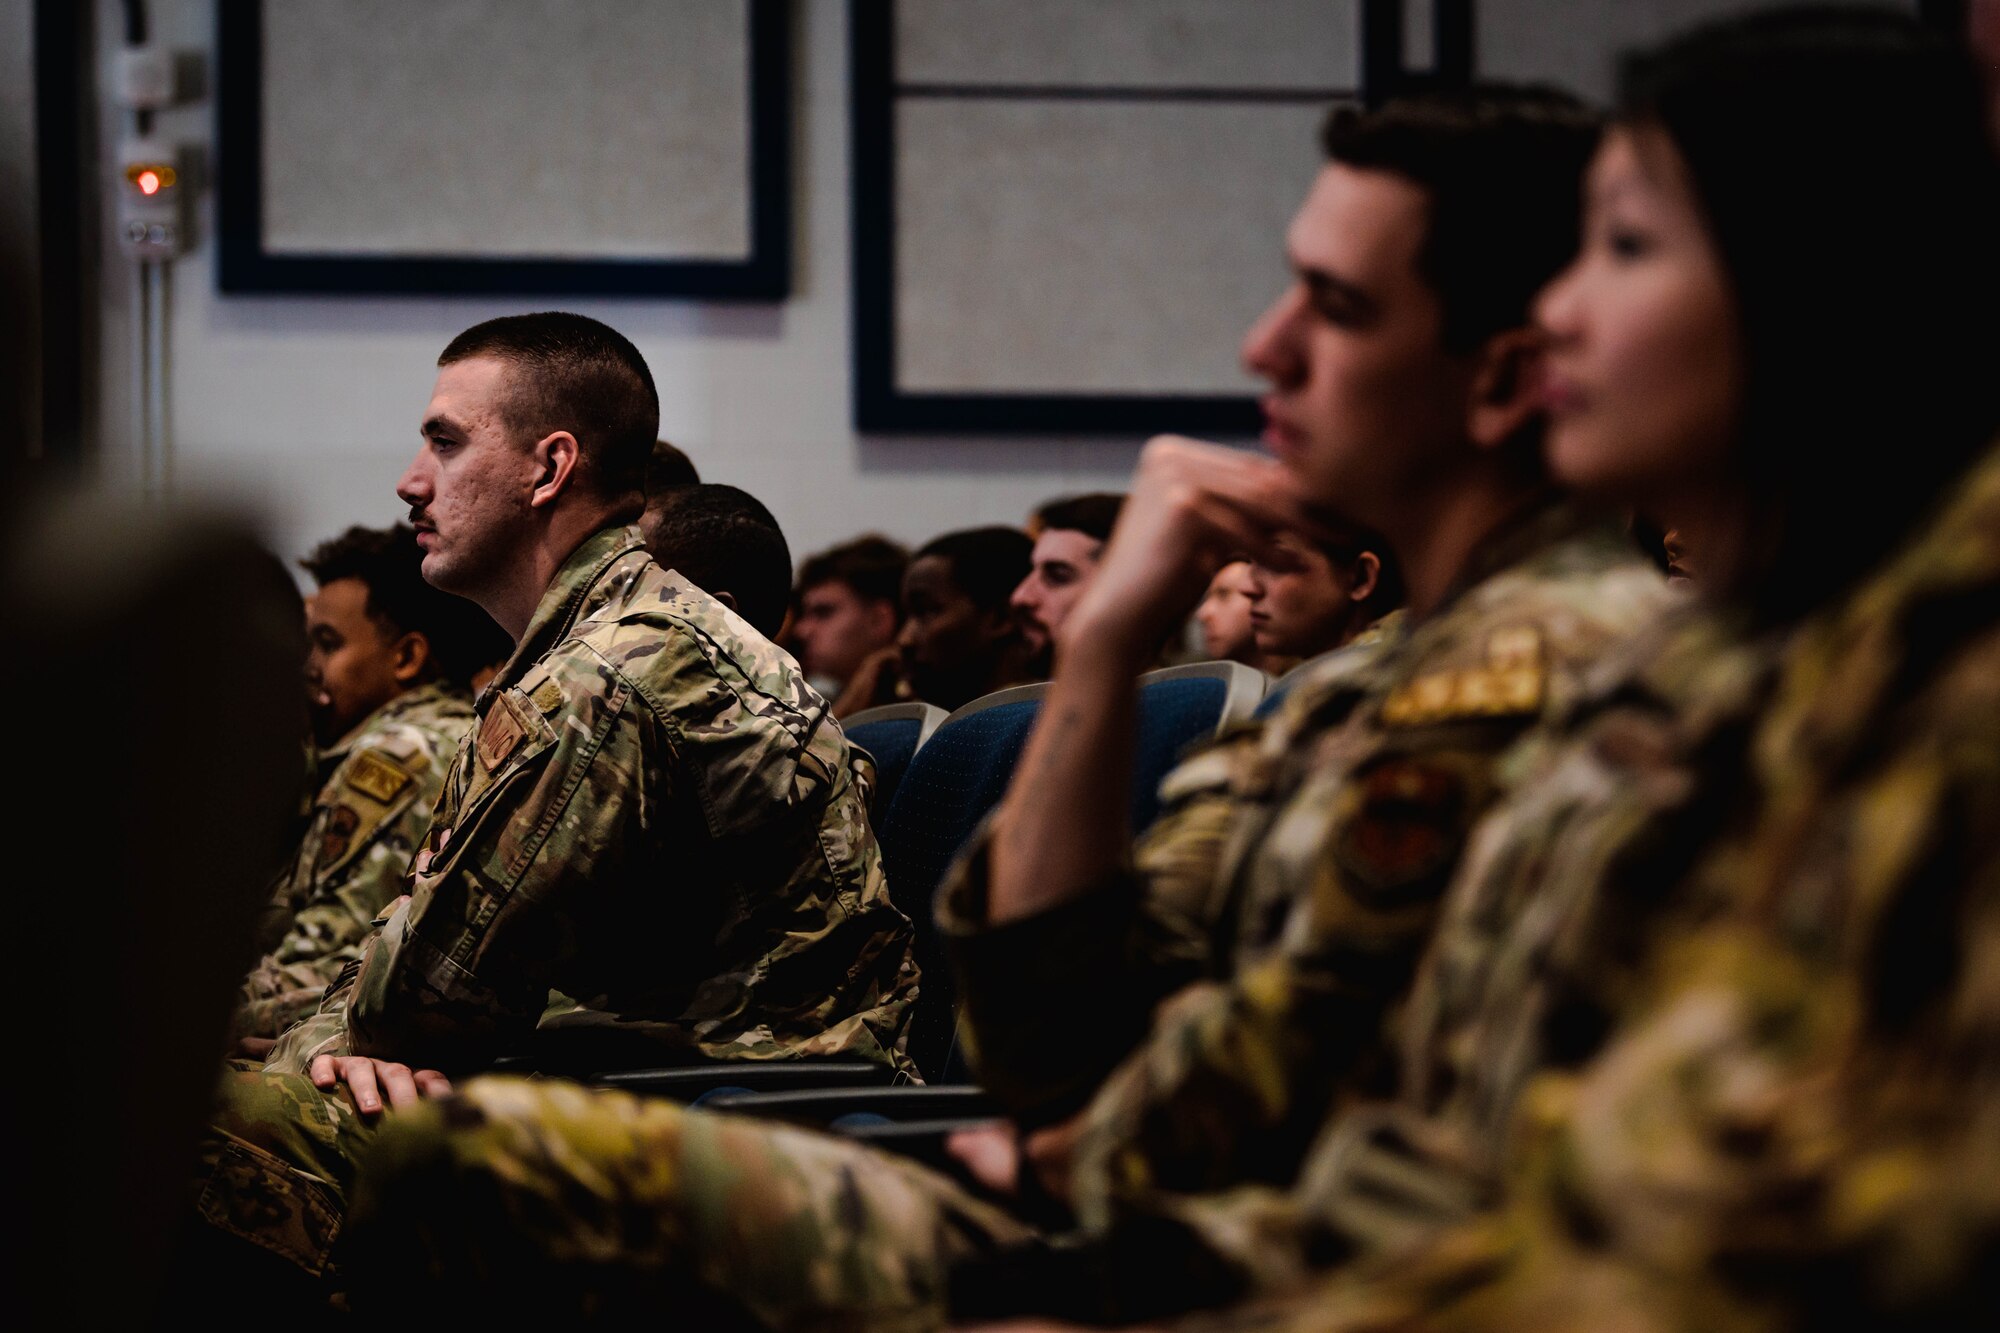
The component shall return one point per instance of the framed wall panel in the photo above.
(532, 146)
(1066, 215)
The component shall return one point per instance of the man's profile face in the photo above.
(1364, 401)
(470, 484)
(945, 637)
(836, 628)
(1061, 565)
(350, 659)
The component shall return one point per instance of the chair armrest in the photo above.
(823, 1105)
(919, 1140)
(769, 1077)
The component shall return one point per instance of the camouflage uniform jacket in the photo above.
(1795, 1121)
(369, 817)
(655, 815)
(1238, 978)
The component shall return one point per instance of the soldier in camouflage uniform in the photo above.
(388, 659)
(1761, 1092)
(654, 815)
(1353, 802)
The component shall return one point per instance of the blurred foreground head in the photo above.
(156, 665)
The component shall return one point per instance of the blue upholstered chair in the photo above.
(1179, 706)
(954, 778)
(892, 735)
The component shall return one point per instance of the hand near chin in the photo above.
(1192, 508)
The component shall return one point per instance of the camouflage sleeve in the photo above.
(562, 790)
(1235, 1077)
(376, 810)
(1106, 956)
(1809, 1103)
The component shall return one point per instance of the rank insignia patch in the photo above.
(375, 777)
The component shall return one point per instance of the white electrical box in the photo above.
(148, 78)
(151, 190)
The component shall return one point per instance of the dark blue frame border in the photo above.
(244, 266)
(880, 406)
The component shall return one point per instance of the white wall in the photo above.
(307, 408)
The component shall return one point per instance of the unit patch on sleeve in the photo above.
(376, 777)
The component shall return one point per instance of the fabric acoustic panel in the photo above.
(532, 145)
(1067, 214)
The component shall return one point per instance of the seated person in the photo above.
(667, 468)
(651, 815)
(960, 638)
(1745, 1079)
(725, 542)
(1222, 621)
(387, 664)
(849, 601)
(1311, 597)
(1082, 956)
(1069, 536)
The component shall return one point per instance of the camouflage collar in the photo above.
(567, 600)
(423, 696)
(1542, 520)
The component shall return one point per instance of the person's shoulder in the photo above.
(404, 748)
(1562, 604)
(435, 715)
(679, 647)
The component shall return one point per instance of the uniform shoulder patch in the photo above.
(1512, 681)
(376, 776)
(499, 736)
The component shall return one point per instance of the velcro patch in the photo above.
(500, 735)
(548, 697)
(338, 833)
(375, 777)
(1407, 822)
(1448, 696)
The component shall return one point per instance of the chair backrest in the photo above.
(1179, 706)
(892, 734)
(1280, 687)
(954, 778)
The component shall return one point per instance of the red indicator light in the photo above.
(149, 182)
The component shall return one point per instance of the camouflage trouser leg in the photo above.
(516, 1196)
(276, 1161)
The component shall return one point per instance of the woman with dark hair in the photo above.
(1709, 1033)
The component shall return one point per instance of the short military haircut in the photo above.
(389, 564)
(1503, 167)
(1092, 515)
(669, 467)
(580, 376)
(871, 564)
(986, 563)
(723, 539)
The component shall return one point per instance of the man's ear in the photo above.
(557, 456)
(1506, 387)
(410, 658)
(727, 598)
(1367, 574)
